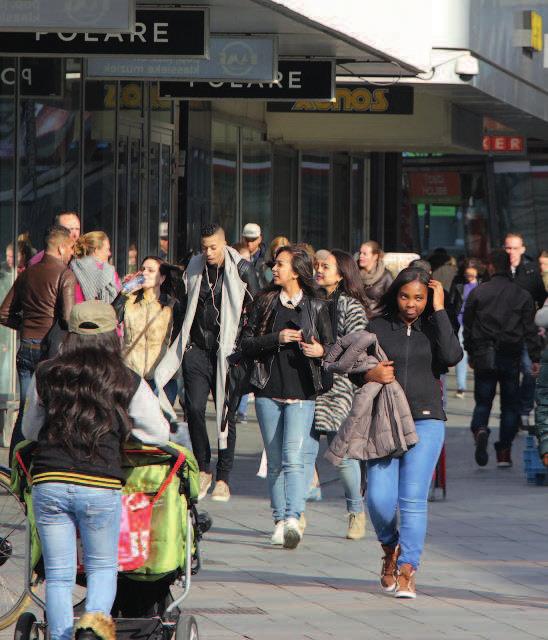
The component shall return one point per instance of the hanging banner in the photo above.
(99, 16)
(40, 78)
(296, 79)
(371, 99)
(159, 33)
(247, 58)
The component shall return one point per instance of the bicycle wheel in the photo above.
(13, 597)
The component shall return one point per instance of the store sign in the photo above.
(250, 59)
(40, 78)
(370, 99)
(295, 79)
(532, 23)
(434, 187)
(504, 144)
(67, 15)
(159, 33)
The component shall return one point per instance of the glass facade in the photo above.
(103, 149)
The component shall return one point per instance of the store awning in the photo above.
(303, 32)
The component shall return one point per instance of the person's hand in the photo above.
(471, 363)
(290, 335)
(545, 459)
(383, 373)
(312, 350)
(535, 369)
(439, 295)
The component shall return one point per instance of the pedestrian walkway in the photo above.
(484, 572)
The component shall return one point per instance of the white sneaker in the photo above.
(292, 533)
(278, 535)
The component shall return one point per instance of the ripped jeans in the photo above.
(284, 428)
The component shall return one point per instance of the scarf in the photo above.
(369, 278)
(95, 279)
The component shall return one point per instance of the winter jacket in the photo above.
(380, 423)
(501, 313)
(264, 348)
(374, 292)
(528, 277)
(541, 394)
(333, 407)
(144, 352)
(421, 352)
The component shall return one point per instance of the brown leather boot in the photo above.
(389, 566)
(405, 582)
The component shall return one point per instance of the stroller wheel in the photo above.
(187, 628)
(24, 629)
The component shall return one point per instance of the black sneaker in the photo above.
(481, 437)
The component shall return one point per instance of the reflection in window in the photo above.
(49, 156)
(99, 128)
(285, 194)
(358, 204)
(341, 202)
(225, 178)
(256, 180)
(315, 200)
(8, 257)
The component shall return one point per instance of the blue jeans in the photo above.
(284, 428)
(242, 407)
(528, 382)
(404, 482)
(349, 471)
(59, 510)
(461, 368)
(485, 388)
(27, 359)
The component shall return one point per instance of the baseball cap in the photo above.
(91, 318)
(251, 231)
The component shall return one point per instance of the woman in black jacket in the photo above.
(288, 331)
(418, 338)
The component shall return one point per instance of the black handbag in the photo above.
(485, 357)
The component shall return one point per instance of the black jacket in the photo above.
(315, 321)
(528, 277)
(258, 262)
(421, 353)
(501, 313)
(207, 321)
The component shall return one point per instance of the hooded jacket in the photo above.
(380, 423)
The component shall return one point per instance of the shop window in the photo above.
(285, 194)
(224, 205)
(357, 204)
(314, 172)
(49, 154)
(99, 157)
(340, 218)
(13, 253)
(256, 181)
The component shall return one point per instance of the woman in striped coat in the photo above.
(338, 274)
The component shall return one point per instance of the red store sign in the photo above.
(504, 144)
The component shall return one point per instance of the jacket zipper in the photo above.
(407, 355)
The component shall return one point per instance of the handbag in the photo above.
(135, 525)
(484, 357)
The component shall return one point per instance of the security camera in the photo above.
(466, 67)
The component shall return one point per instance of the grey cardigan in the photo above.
(380, 423)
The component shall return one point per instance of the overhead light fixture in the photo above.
(73, 75)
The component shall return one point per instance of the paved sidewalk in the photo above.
(483, 576)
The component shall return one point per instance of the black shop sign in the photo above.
(40, 78)
(297, 80)
(370, 99)
(158, 33)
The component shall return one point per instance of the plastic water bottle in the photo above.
(133, 284)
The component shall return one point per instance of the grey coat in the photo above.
(380, 423)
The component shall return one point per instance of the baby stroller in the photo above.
(166, 477)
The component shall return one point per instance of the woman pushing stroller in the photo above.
(82, 405)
